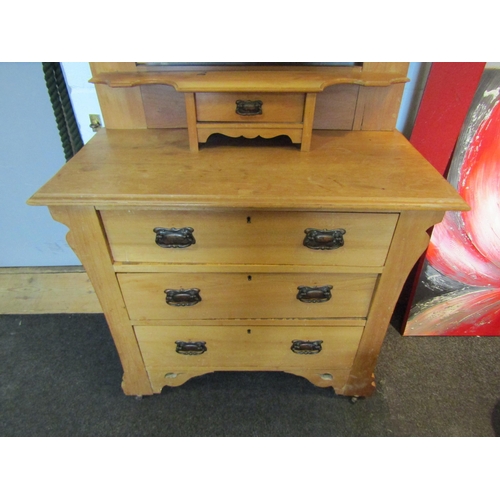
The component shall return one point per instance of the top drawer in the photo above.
(249, 107)
(211, 237)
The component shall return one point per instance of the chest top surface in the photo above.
(354, 170)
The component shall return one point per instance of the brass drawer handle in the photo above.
(180, 298)
(314, 294)
(173, 237)
(324, 239)
(306, 346)
(190, 348)
(248, 108)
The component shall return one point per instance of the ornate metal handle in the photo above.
(314, 294)
(173, 237)
(190, 348)
(183, 297)
(306, 346)
(324, 239)
(248, 108)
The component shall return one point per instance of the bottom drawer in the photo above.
(168, 349)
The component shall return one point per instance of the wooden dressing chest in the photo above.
(245, 256)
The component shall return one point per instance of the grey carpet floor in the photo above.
(60, 376)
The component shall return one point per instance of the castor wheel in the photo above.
(138, 398)
(354, 399)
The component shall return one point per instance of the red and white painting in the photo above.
(458, 292)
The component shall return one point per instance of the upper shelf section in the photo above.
(248, 81)
(247, 99)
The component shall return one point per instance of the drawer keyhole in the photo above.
(249, 278)
(249, 220)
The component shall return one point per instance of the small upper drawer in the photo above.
(267, 238)
(243, 107)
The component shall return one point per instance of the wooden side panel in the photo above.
(410, 241)
(121, 108)
(378, 107)
(87, 239)
(309, 108)
(335, 107)
(164, 107)
(191, 120)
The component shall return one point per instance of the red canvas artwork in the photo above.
(458, 292)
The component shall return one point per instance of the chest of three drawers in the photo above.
(248, 258)
(247, 290)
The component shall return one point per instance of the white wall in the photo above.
(83, 96)
(30, 153)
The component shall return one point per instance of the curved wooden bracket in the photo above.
(87, 239)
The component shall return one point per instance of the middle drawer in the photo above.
(186, 296)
